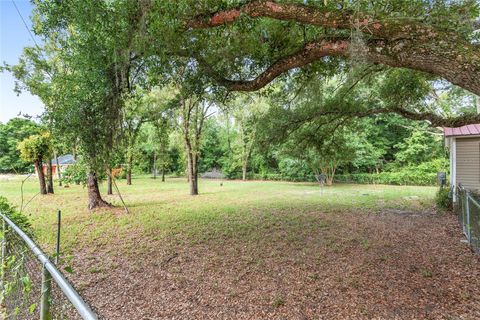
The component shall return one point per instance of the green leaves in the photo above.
(32, 308)
(18, 218)
(11, 133)
(68, 269)
(36, 147)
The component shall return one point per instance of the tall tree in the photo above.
(322, 152)
(249, 109)
(35, 149)
(194, 111)
(135, 114)
(82, 71)
(244, 46)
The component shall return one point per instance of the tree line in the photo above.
(114, 74)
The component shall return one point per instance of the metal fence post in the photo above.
(57, 252)
(50, 273)
(464, 212)
(3, 266)
(45, 295)
(468, 219)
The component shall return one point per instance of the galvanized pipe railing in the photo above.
(50, 272)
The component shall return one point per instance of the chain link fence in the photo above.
(468, 210)
(31, 286)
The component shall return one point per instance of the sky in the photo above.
(13, 37)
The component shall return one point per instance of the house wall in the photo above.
(467, 162)
(45, 169)
(450, 144)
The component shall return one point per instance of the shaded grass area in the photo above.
(262, 250)
(235, 208)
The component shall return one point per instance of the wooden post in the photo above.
(45, 295)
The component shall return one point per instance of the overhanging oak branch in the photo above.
(401, 53)
(407, 44)
(434, 120)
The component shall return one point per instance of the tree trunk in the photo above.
(329, 173)
(109, 181)
(244, 171)
(329, 181)
(317, 177)
(49, 177)
(193, 173)
(59, 175)
(129, 174)
(154, 165)
(41, 176)
(129, 167)
(188, 166)
(163, 174)
(94, 198)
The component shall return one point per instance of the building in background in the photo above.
(63, 162)
(464, 146)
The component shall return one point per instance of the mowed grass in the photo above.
(237, 209)
(260, 250)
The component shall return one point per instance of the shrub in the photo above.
(424, 174)
(75, 173)
(122, 174)
(18, 218)
(443, 199)
(294, 170)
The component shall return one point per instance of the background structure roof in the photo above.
(468, 130)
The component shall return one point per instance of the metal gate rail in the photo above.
(49, 273)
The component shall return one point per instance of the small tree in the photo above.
(327, 157)
(194, 112)
(248, 110)
(322, 151)
(34, 149)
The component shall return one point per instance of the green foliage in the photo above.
(443, 199)
(293, 170)
(75, 173)
(18, 218)
(424, 174)
(212, 150)
(102, 79)
(418, 148)
(36, 147)
(11, 133)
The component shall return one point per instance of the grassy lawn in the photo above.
(165, 209)
(249, 250)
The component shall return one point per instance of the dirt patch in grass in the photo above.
(335, 265)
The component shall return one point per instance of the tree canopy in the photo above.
(105, 68)
(11, 133)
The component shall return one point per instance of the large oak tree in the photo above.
(245, 45)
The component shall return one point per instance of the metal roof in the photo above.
(468, 130)
(65, 159)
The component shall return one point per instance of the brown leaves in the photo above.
(377, 266)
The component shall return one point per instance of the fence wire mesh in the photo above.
(468, 210)
(22, 289)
